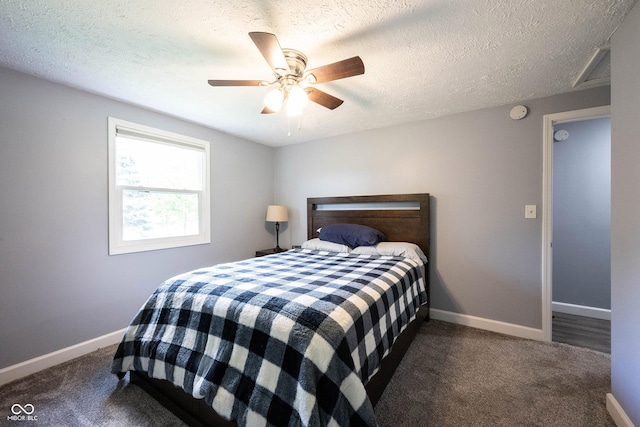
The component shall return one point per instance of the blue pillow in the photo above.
(352, 235)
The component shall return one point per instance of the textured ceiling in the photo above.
(423, 58)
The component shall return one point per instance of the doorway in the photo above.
(554, 122)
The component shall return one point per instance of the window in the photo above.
(158, 189)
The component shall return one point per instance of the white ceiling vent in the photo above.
(597, 72)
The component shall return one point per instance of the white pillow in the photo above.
(322, 245)
(403, 249)
(365, 250)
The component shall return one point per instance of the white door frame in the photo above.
(549, 120)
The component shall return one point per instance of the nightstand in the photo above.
(271, 251)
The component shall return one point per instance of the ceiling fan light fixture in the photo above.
(296, 100)
(274, 99)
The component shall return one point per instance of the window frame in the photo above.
(117, 244)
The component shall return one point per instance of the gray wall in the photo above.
(625, 216)
(481, 168)
(582, 214)
(58, 286)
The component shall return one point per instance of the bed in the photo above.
(318, 371)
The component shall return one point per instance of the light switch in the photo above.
(530, 211)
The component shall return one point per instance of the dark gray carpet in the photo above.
(83, 392)
(458, 376)
(451, 376)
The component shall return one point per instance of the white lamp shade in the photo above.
(274, 100)
(296, 101)
(277, 213)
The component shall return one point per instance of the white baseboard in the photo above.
(21, 370)
(581, 310)
(488, 324)
(617, 413)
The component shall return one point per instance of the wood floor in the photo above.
(582, 331)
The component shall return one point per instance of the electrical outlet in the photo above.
(530, 211)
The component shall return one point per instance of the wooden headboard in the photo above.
(401, 217)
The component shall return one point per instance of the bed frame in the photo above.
(401, 217)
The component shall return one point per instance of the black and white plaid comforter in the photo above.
(287, 339)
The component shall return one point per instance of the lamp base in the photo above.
(277, 248)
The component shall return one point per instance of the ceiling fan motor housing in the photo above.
(297, 62)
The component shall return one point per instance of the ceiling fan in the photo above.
(293, 83)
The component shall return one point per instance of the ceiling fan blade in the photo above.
(338, 70)
(323, 98)
(268, 45)
(267, 110)
(236, 82)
